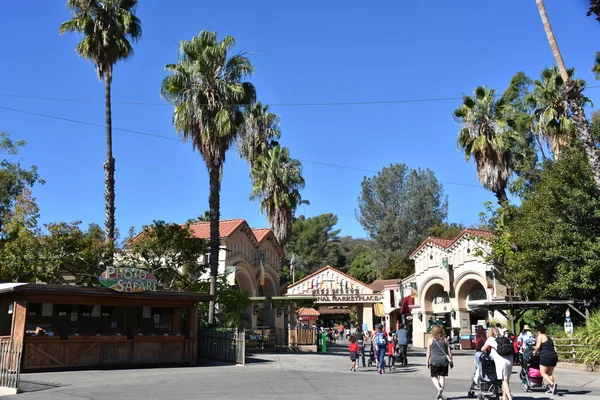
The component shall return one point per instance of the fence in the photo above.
(266, 338)
(10, 363)
(223, 344)
(568, 349)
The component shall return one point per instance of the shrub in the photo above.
(590, 340)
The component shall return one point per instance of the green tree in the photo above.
(557, 231)
(397, 207)
(171, 253)
(19, 248)
(277, 181)
(207, 89)
(107, 27)
(446, 230)
(362, 267)
(483, 137)
(232, 305)
(572, 94)
(313, 243)
(553, 116)
(261, 132)
(14, 179)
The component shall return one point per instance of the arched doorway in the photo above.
(243, 282)
(436, 304)
(471, 293)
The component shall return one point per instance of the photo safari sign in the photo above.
(128, 279)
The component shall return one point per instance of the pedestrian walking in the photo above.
(548, 358)
(503, 359)
(402, 336)
(354, 349)
(438, 359)
(360, 341)
(379, 343)
(391, 350)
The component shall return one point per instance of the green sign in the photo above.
(445, 263)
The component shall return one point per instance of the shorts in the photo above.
(353, 356)
(437, 370)
(549, 360)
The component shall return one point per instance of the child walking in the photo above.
(354, 350)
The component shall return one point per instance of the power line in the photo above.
(184, 141)
(311, 104)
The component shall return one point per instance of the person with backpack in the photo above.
(380, 344)
(502, 352)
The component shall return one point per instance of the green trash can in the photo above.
(323, 343)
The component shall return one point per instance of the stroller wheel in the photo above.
(471, 394)
(525, 387)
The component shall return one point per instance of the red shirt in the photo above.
(391, 348)
(354, 347)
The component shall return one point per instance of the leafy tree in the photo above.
(207, 89)
(313, 243)
(19, 249)
(69, 254)
(171, 253)
(397, 207)
(446, 230)
(483, 136)
(557, 231)
(232, 305)
(362, 267)
(107, 27)
(572, 94)
(14, 179)
(277, 181)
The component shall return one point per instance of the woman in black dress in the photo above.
(548, 358)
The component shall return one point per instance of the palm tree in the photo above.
(207, 89)
(484, 136)
(261, 132)
(277, 181)
(572, 94)
(553, 117)
(106, 26)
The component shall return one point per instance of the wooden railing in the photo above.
(304, 336)
(10, 363)
(568, 349)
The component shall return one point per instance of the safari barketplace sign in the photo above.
(128, 280)
(350, 298)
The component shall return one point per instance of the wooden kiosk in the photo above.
(74, 327)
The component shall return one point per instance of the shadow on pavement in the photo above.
(28, 386)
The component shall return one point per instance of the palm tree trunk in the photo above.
(109, 165)
(214, 199)
(572, 95)
(501, 196)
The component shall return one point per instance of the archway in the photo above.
(244, 283)
(436, 305)
(471, 293)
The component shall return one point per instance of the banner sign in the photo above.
(350, 298)
(128, 279)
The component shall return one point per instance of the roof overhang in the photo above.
(282, 301)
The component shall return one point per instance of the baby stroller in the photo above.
(488, 385)
(530, 375)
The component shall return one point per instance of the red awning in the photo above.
(406, 303)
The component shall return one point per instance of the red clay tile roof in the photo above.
(378, 285)
(323, 269)
(307, 312)
(446, 243)
(201, 230)
(261, 234)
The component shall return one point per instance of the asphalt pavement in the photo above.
(303, 376)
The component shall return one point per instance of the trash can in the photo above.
(319, 334)
(323, 343)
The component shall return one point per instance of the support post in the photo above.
(19, 318)
(193, 331)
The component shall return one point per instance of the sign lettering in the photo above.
(128, 279)
(350, 298)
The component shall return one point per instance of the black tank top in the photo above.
(547, 347)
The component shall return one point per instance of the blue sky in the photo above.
(304, 52)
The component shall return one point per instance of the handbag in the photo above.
(446, 354)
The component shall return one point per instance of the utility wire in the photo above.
(184, 141)
(312, 104)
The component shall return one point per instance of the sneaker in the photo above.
(554, 387)
(380, 372)
(439, 394)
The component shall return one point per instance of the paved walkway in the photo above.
(282, 376)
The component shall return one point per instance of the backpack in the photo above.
(380, 340)
(505, 347)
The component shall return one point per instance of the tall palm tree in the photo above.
(484, 136)
(261, 132)
(207, 89)
(277, 181)
(107, 27)
(553, 116)
(572, 94)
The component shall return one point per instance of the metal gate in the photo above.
(10, 363)
(227, 345)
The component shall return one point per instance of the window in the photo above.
(392, 300)
(441, 297)
(477, 293)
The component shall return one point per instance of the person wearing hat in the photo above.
(525, 334)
